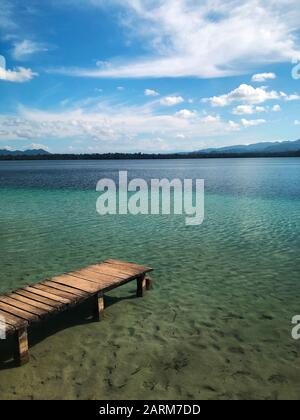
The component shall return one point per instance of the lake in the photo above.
(217, 323)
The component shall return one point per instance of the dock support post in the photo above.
(141, 286)
(148, 283)
(21, 351)
(99, 306)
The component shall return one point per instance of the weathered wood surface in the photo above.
(32, 304)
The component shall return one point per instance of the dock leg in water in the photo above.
(99, 306)
(148, 283)
(21, 352)
(141, 286)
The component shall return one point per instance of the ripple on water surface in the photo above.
(216, 325)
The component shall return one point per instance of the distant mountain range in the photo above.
(285, 148)
(35, 152)
(267, 147)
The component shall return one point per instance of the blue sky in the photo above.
(148, 75)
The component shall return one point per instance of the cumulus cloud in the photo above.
(171, 100)
(115, 126)
(263, 77)
(248, 110)
(18, 75)
(276, 108)
(290, 98)
(150, 92)
(211, 118)
(233, 126)
(203, 39)
(186, 113)
(244, 93)
(24, 49)
(251, 109)
(252, 123)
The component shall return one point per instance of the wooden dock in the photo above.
(33, 304)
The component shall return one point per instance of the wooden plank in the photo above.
(56, 292)
(116, 272)
(77, 283)
(6, 329)
(107, 271)
(94, 277)
(8, 324)
(32, 302)
(21, 305)
(118, 284)
(129, 264)
(124, 269)
(54, 304)
(18, 312)
(13, 320)
(48, 295)
(22, 353)
(69, 289)
(98, 275)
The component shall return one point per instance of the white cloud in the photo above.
(150, 92)
(259, 109)
(8, 148)
(171, 100)
(115, 127)
(120, 88)
(248, 110)
(2, 62)
(290, 98)
(233, 126)
(211, 119)
(185, 113)
(244, 93)
(18, 75)
(297, 122)
(276, 108)
(252, 123)
(37, 146)
(263, 77)
(203, 39)
(24, 49)
(251, 109)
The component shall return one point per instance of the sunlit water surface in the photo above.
(217, 323)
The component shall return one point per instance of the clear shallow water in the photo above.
(217, 323)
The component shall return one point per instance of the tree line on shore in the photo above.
(141, 156)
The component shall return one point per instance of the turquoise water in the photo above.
(217, 323)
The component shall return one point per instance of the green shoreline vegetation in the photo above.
(141, 156)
